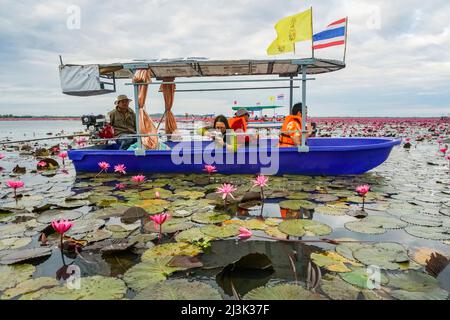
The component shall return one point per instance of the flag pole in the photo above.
(312, 33)
(346, 31)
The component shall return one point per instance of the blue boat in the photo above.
(315, 156)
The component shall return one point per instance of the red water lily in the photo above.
(244, 233)
(62, 226)
(15, 185)
(158, 221)
(362, 191)
(120, 168)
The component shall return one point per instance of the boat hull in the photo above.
(327, 156)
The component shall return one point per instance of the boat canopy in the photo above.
(257, 108)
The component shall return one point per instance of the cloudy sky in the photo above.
(398, 53)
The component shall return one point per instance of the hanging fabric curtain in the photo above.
(168, 91)
(146, 124)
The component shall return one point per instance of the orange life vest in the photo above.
(286, 138)
(238, 123)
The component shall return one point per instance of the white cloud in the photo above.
(404, 63)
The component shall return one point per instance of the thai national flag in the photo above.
(333, 35)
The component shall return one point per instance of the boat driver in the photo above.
(123, 120)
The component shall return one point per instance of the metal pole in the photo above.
(291, 94)
(304, 147)
(139, 151)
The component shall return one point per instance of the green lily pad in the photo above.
(333, 261)
(325, 198)
(29, 286)
(297, 205)
(415, 285)
(14, 243)
(191, 235)
(171, 225)
(432, 233)
(422, 220)
(50, 215)
(253, 224)
(189, 195)
(16, 256)
(273, 222)
(384, 255)
(298, 196)
(359, 277)
(98, 235)
(148, 272)
(300, 227)
(179, 289)
(91, 288)
(221, 232)
(282, 292)
(210, 217)
(12, 230)
(366, 227)
(338, 289)
(275, 233)
(171, 249)
(151, 194)
(85, 226)
(10, 276)
(331, 211)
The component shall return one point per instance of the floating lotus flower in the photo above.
(120, 168)
(261, 181)
(104, 166)
(1, 156)
(62, 226)
(120, 186)
(226, 190)
(362, 191)
(210, 170)
(15, 185)
(244, 233)
(42, 164)
(158, 221)
(63, 156)
(139, 179)
(443, 150)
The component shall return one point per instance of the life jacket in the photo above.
(286, 138)
(239, 125)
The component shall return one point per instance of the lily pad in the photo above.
(148, 272)
(300, 227)
(50, 215)
(366, 227)
(333, 261)
(16, 256)
(210, 217)
(361, 278)
(179, 289)
(297, 205)
(170, 226)
(275, 233)
(14, 243)
(384, 255)
(221, 232)
(422, 220)
(85, 226)
(338, 289)
(191, 235)
(415, 285)
(29, 286)
(189, 195)
(91, 288)
(432, 233)
(10, 276)
(282, 292)
(331, 211)
(171, 249)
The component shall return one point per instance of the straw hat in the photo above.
(242, 112)
(120, 98)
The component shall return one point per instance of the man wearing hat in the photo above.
(123, 120)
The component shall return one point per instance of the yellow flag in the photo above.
(277, 48)
(291, 29)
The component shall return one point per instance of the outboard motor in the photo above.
(97, 126)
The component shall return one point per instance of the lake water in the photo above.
(119, 254)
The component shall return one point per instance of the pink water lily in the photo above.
(104, 165)
(63, 156)
(138, 179)
(443, 150)
(15, 185)
(42, 164)
(120, 186)
(1, 156)
(260, 181)
(244, 233)
(62, 226)
(362, 191)
(157, 195)
(120, 168)
(158, 221)
(210, 169)
(226, 190)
